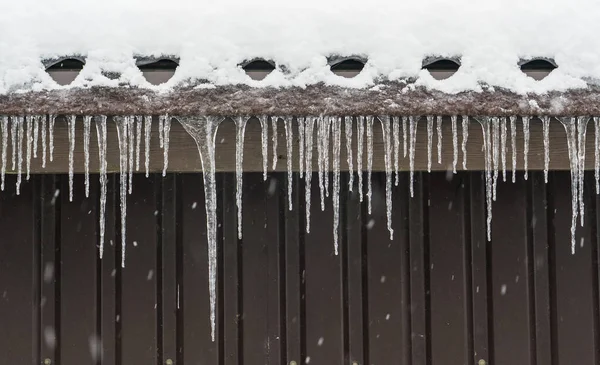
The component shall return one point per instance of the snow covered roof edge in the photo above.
(319, 99)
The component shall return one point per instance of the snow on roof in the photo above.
(212, 38)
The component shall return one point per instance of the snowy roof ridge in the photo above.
(320, 99)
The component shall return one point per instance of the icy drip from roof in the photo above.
(212, 39)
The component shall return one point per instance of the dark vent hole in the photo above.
(158, 72)
(442, 69)
(65, 71)
(258, 69)
(537, 69)
(348, 68)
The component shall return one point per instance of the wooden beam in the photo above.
(183, 154)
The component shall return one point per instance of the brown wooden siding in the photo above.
(438, 294)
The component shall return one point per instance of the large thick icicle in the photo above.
(495, 153)
(503, 146)
(348, 134)
(369, 162)
(546, 132)
(300, 123)
(240, 132)
(597, 153)
(429, 140)
(454, 142)
(44, 147)
(4, 148)
(289, 142)
(19, 153)
(274, 140)
(309, 124)
(571, 128)
(360, 130)
(581, 132)
(264, 135)
(86, 152)
(465, 137)
(147, 135)
(14, 125)
(327, 133)
(204, 131)
(487, 151)
(323, 134)
(101, 136)
(414, 122)
(51, 122)
(526, 145)
(337, 136)
(122, 134)
(71, 130)
(320, 160)
(161, 130)
(387, 158)
(138, 141)
(396, 136)
(166, 138)
(36, 132)
(513, 145)
(439, 138)
(29, 141)
(131, 147)
(404, 135)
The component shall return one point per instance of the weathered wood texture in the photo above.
(183, 153)
(437, 294)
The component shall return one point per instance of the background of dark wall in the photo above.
(438, 294)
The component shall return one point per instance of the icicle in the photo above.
(369, 162)
(396, 136)
(309, 125)
(487, 151)
(4, 148)
(29, 141)
(274, 139)
(546, 132)
(101, 134)
(571, 128)
(44, 141)
(429, 140)
(14, 125)
(19, 153)
(326, 135)
(404, 134)
(300, 122)
(597, 152)
(465, 137)
(439, 138)
(454, 143)
(348, 130)
(360, 129)
(321, 160)
(123, 136)
(526, 144)
(414, 122)
(336, 134)
(264, 136)
(51, 131)
(503, 146)
(86, 152)
(166, 137)
(495, 145)
(513, 144)
(204, 131)
(147, 134)
(36, 131)
(387, 158)
(130, 147)
(240, 127)
(289, 141)
(161, 130)
(71, 129)
(138, 141)
(581, 132)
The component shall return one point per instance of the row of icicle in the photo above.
(131, 130)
